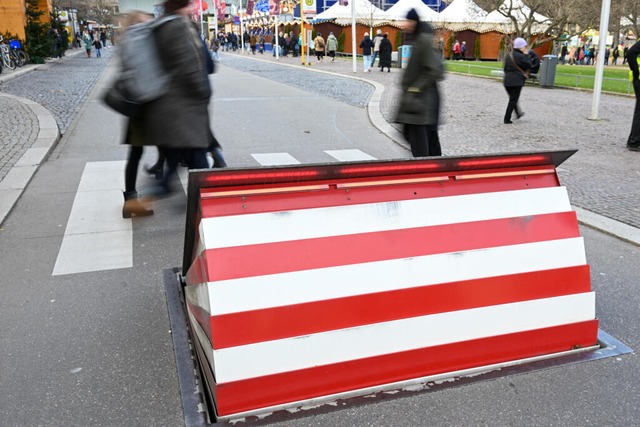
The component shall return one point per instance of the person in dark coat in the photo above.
(178, 122)
(419, 106)
(385, 52)
(633, 142)
(517, 67)
(367, 48)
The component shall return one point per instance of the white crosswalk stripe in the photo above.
(349, 155)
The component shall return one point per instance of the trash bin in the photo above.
(547, 73)
(405, 53)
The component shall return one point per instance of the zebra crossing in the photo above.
(97, 238)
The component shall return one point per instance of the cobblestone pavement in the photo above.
(61, 86)
(19, 136)
(602, 177)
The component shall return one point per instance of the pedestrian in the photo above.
(78, 40)
(572, 55)
(332, 46)
(367, 47)
(535, 61)
(56, 43)
(563, 53)
(134, 136)
(293, 42)
(633, 142)
(178, 121)
(419, 106)
(517, 67)
(214, 45)
(456, 50)
(103, 38)
(386, 49)
(98, 45)
(87, 44)
(319, 46)
(253, 40)
(463, 51)
(376, 46)
(615, 52)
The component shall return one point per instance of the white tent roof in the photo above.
(365, 10)
(402, 7)
(462, 11)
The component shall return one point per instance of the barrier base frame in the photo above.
(194, 375)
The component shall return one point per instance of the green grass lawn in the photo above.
(615, 78)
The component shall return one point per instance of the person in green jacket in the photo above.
(332, 46)
(87, 44)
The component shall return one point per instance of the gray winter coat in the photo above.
(420, 80)
(180, 119)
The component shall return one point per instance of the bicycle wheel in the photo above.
(14, 56)
(8, 62)
(23, 56)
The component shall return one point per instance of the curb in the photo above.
(21, 173)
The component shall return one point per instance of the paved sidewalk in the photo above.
(38, 102)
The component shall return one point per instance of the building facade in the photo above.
(13, 16)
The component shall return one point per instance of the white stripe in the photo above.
(272, 357)
(97, 237)
(276, 290)
(240, 230)
(275, 159)
(349, 155)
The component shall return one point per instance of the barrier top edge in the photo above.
(219, 178)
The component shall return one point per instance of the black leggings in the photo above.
(131, 169)
(514, 96)
(424, 140)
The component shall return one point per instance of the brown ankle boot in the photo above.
(133, 206)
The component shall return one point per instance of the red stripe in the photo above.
(234, 205)
(307, 254)
(197, 273)
(230, 330)
(303, 384)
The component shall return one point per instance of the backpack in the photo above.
(142, 78)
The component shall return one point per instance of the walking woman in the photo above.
(517, 67)
(419, 107)
(135, 137)
(319, 47)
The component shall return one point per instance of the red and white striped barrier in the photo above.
(309, 282)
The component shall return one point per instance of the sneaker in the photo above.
(508, 122)
(633, 147)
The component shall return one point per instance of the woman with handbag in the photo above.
(419, 107)
(517, 67)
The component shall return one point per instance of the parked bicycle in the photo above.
(12, 54)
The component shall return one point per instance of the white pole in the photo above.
(353, 35)
(602, 47)
(215, 18)
(277, 36)
(241, 28)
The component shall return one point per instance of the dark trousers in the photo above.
(634, 136)
(131, 169)
(195, 158)
(424, 140)
(514, 96)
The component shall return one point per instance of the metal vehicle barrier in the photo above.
(305, 284)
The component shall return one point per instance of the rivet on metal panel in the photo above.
(244, 206)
